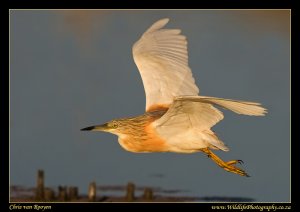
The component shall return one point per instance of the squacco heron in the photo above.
(177, 119)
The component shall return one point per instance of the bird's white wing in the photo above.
(198, 112)
(187, 125)
(196, 115)
(162, 59)
(237, 106)
(187, 114)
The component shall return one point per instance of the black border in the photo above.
(294, 103)
(109, 4)
(152, 4)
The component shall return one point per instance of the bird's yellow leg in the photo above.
(228, 166)
(232, 162)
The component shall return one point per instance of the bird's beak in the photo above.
(102, 127)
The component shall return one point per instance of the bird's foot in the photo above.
(232, 162)
(228, 166)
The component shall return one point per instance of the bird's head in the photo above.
(116, 126)
(112, 126)
(132, 126)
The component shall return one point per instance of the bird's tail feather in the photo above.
(237, 106)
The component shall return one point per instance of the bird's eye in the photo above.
(113, 124)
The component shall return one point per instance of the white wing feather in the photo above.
(237, 106)
(196, 115)
(162, 59)
(186, 126)
(187, 114)
(198, 111)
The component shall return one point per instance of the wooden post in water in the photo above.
(130, 192)
(92, 192)
(49, 195)
(40, 186)
(148, 194)
(73, 193)
(62, 194)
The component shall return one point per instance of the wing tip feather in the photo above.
(158, 25)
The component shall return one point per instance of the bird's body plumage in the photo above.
(177, 119)
(144, 138)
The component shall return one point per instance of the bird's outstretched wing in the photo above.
(190, 121)
(162, 59)
(186, 114)
(199, 113)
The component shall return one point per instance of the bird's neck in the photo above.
(140, 136)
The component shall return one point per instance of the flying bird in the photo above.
(176, 119)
